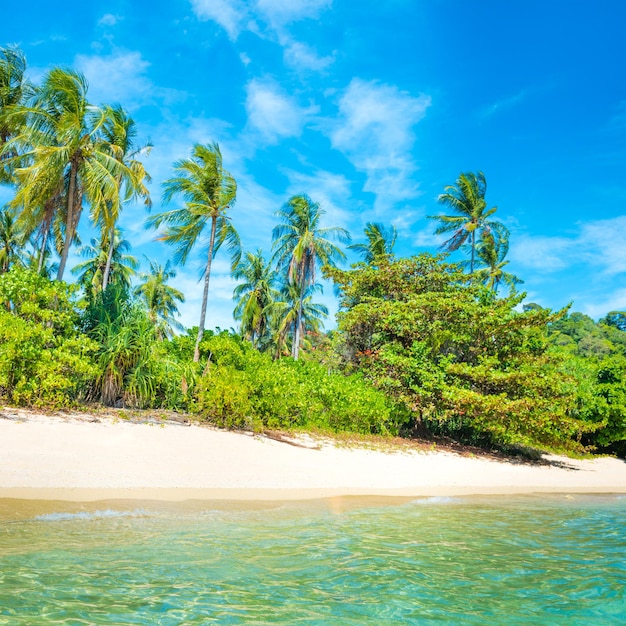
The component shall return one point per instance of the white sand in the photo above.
(70, 458)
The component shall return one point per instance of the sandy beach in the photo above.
(79, 457)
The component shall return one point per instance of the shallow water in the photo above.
(523, 560)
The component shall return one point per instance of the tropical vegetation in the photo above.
(435, 346)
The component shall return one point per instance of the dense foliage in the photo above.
(460, 359)
(44, 361)
(243, 388)
(424, 346)
(594, 354)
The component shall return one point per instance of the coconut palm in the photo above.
(120, 132)
(14, 89)
(160, 298)
(301, 246)
(292, 315)
(62, 157)
(44, 225)
(490, 253)
(255, 296)
(122, 268)
(380, 242)
(11, 239)
(209, 192)
(467, 199)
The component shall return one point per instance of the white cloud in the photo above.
(108, 19)
(424, 238)
(121, 77)
(235, 16)
(615, 302)
(375, 131)
(602, 244)
(273, 113)
(279, 12)
(331, 190)
(595, 244)
(502, 105)
(545, 254)
(271, 16)
(302, 57)
(231, 15)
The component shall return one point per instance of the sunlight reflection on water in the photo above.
(492, 560)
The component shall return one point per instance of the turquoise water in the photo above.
(531, 560)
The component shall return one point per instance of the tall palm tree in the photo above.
(64, 156)
(11, 240)
(255, 296)
(209, 192)
(14, 89)
(123, 266)
(160, 298)
(301, 246)
(43, 221)
(120, 132)
(292, 315)
(380, 242)
(467, 199)
(491, 252)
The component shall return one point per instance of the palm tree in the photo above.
(65, 158)
(292, 315)
(122, 268)
(120, 132)
(301, 246)
(40, 221)
(255, 296)
(14, 89)
(209, 191)
(125, 338)
(467, 199)
(380, 242)
(491, 252)
(160, 298)
(11, 239)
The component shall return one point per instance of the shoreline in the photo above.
(87, 458)
(178, 495)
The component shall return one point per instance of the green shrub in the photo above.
(463, 361)
(242, 388)
(44, 361)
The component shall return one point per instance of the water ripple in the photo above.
(494, 561)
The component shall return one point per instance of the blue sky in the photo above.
(372, 108)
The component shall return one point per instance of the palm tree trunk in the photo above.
(69, 220)
(42, 252)
(205, 293)
(296, 334)
(473, 251)
(44, 229)
(107, 267)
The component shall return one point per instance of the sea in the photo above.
(548, 559)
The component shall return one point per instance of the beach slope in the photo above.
(86, 458)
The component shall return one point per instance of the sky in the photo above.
(371, 108)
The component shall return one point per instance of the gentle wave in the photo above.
(506, 561)
(437, 500)
(87, 515)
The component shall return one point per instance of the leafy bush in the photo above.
(43, 359)
(125, 337)
(463, 361)
(601, 399)
(242, 388)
